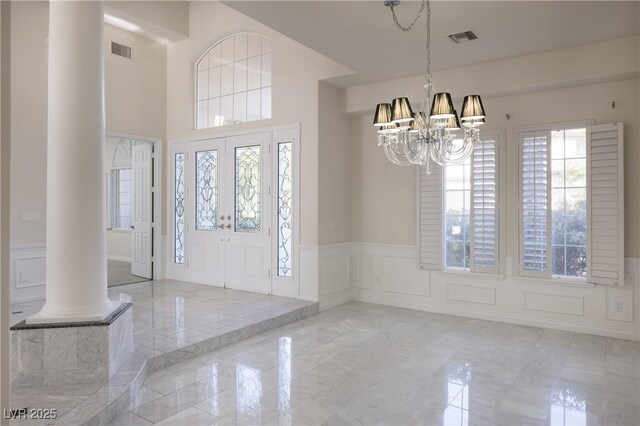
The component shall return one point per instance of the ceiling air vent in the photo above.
(463, 36)
(120, 50)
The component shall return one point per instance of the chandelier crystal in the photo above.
(412, 137)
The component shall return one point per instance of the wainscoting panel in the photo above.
(334, 282)
(471, 294)
(363, 271)
(28, 272)
(554, 303)
(396, 280)
(400, 275)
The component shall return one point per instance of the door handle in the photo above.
(221, 217)
(132, 227)
(228, 226)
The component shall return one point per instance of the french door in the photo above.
(222, 189)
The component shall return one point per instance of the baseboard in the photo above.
(334, 299)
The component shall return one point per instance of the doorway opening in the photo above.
(130, 189)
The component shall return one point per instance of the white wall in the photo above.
(135, 97)
(334, 195)
(296, 71)
(383, 266)
(163, 21)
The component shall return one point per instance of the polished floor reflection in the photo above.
(369, 364)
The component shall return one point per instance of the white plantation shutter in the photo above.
(484, 206)
(605, 207)
(535, 225)
(429, 220)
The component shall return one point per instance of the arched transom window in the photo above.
(234, 81)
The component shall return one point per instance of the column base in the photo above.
(50, 354)
(42, 318)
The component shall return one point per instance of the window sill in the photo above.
(556, 282)
(469, 274)
(120, 230)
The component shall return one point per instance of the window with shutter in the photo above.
(571, 207)
(457, 208)
(606, 204)
(429, 218)
(484, 206)
(534, 223)
(459, 212)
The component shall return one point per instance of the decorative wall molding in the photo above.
(28, 272)
(569, 305)
(389, 274)
(334, 274)
(471, 294)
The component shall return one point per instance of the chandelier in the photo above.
(434, 133)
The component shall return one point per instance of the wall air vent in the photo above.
(120, 50)
(463, 36)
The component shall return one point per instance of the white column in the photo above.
(76, 286)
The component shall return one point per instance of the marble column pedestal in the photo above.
(70, 353)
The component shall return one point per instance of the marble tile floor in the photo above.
(119, 273)
(172, 321)
(370, 364)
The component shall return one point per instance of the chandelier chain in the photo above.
(429, 40)
(410, 26)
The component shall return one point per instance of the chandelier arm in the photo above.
(410, 26)
(395, 156)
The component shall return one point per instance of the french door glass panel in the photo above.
(285, 192)
(207, 190)
(247, 189)
(178, 256)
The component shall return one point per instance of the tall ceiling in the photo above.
(362, 36)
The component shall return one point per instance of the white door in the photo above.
(248, 203)
(141, 216)
(206, 186)
(227, 215)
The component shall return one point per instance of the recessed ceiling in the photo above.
(362, 36)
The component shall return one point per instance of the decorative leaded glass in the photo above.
(179, 208)
(207, 190)
(247, 211)
(284, 209)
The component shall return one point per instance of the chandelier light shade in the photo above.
(433, 133)
(452, 122)
(383, 115)
(442, 106)
(401, 111)
(472, 108)
(388, 129)
(419, 118)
